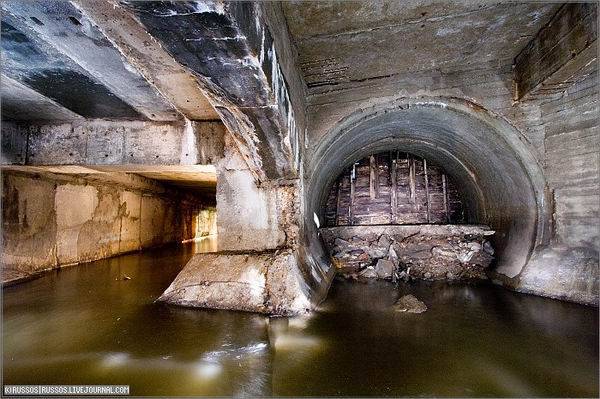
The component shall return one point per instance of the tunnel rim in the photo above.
(514, 140)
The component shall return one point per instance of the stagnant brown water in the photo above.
(87, 325)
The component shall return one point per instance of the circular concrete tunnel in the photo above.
(501, 182)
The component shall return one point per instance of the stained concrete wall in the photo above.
(54, 220)
(253, 217)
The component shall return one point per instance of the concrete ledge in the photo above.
(264, 282)
(561, 272)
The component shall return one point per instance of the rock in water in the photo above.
(410, 304)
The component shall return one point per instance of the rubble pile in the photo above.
(426, 252)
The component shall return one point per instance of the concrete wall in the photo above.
(567, 268)
(252, 217)
(52, 220)
(572, 137)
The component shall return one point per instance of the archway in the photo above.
(500, 178)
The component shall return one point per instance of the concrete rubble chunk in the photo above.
(368, 272)
(487, 247)
(392, 256)
(384, 268)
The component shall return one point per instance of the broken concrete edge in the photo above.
(268, 282)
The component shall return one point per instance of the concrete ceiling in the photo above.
(200, 179)
(347, 41)
(62, 61)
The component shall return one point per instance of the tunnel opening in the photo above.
(500, 182)
(394, 215)
(56, 216)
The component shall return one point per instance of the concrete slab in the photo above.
(263, 282)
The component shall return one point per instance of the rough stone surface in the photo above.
(429, 252)
(409, 304)
(57, 220)
(268, 282)
(385, 268)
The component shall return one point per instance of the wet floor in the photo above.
(89, 325)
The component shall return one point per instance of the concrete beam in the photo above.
(559, 51)
(37, 65)
(113, 143)
(56, 50)
(201, 179)
(140, 49)
(231, 51)
(20, 102)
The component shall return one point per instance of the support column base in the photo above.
(265, 282)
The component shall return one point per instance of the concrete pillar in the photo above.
(248, 214)
(258, 267)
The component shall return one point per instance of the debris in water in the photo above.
(410, 304)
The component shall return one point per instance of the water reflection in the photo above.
(89, 325)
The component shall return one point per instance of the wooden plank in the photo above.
(393, 193)
(352, 189)
(445, 192)
(426, 189)
(373, 177)
(411, 179)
